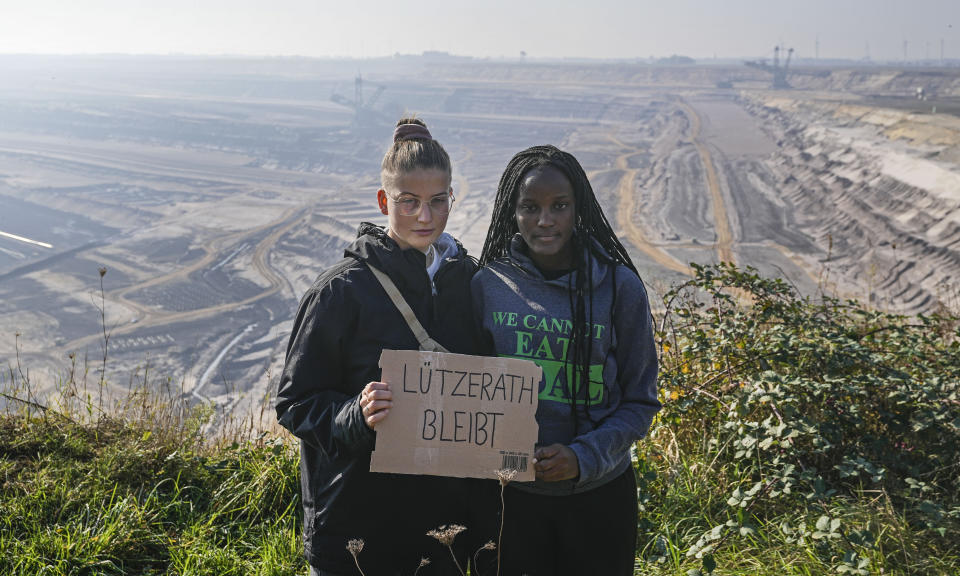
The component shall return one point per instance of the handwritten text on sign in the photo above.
(457, 415)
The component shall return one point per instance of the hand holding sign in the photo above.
(556, 462)
(455, 415)
(375, 402)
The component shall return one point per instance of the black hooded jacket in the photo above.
(344, 321)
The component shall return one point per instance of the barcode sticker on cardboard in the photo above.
(514, 461)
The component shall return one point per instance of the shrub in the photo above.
(823, 426)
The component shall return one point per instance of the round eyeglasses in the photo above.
(408, 205)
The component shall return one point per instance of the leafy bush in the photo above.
(822, 430)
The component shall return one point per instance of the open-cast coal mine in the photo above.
(213, 192)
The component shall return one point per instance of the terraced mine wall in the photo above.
(936, 82)
(887, 206)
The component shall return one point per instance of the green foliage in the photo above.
(823, 430)
(116, 498)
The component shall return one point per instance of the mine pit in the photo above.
(213, 218)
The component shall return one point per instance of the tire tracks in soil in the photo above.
(153, 317)
(721, 222)
(627, 209)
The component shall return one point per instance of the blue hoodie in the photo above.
(524, 315)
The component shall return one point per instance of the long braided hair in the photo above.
(592, 235)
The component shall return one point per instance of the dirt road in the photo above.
(724, 241)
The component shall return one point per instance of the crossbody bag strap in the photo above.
(427, 343)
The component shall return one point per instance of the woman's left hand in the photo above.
(556, 462)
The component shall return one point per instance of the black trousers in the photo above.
(419, 504)
(580, 534)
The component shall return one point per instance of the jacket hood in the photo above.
(375, 247)
(600, 262)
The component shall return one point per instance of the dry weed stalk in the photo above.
(23, 381)
(423, 562)
(354, 547)
(488, 546)
(445, 535)
(505, 475)
(106, 342)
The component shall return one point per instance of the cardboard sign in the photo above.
(457, 415)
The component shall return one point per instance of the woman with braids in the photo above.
(558, 288)
(330, 395)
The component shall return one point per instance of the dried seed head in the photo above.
(423, 562)
(446, 534)
(506, 475)
(489, 546)
(354, 547)
(102, 270)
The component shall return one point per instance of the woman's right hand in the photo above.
(375, 402)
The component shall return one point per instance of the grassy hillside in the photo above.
(138, 497)
(797, 437)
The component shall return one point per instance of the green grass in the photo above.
(120, 497)
(798, 437)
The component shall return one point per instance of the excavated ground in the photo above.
(215, 203)
(881, 186)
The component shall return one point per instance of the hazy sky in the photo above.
(560, 28)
